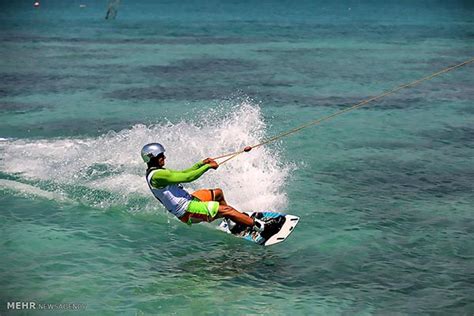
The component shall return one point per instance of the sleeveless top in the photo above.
(173, 197)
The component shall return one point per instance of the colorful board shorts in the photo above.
(201, 208)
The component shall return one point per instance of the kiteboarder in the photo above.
(112, 9)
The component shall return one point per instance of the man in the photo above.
(202, 205)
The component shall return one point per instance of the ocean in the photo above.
(385, 193)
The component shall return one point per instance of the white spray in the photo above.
(111, 163)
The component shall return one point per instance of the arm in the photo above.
(164, 177)
(196, 166)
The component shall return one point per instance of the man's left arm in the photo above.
(196, 166)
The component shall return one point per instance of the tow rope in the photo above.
(348, 109)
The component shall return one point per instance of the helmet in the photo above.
(152, 150)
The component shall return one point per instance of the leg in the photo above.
(219, 196)
(209, 211)
(199, 211)
(210, 195)
(231, 213)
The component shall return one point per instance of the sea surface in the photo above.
(385, 193)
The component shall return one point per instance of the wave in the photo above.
(107, 171)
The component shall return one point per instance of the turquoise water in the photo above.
(385, 193)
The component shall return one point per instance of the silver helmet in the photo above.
(152, 150)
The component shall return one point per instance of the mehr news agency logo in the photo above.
(45, 306)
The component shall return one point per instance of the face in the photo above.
(161, 161)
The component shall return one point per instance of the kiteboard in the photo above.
(278, 227)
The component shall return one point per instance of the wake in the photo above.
(107, 171)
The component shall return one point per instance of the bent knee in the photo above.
(218, 193)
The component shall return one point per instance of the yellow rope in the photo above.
(356, 106)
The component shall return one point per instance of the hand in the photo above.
(207, 160)
(214, 165)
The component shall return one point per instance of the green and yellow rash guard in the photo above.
(165, 184)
